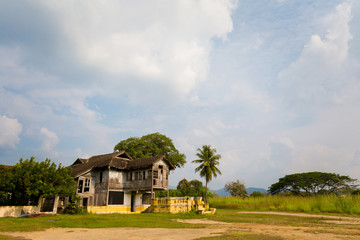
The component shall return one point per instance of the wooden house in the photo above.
(115, 182)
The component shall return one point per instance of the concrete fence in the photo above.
(179, 204)
(18, 211)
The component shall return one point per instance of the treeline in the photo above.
(27, 181)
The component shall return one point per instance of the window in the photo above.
(116, 198)
(101, 177)
(144, 176)
(137, 175)
(146, 198)
(87, 185)
(130, 176)
(80, 186)
(155, 174)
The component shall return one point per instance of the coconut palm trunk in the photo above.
(206, 190)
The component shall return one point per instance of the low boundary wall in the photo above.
(116, 209)
(178, 204)
(18, 211)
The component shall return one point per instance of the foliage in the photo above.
(5, 185)
(172, 193)
(194, 188)
(209, 161)
(236, 189)
(151, 145)
(28, 180)
(342, 204)
(356, 192)
(257, 194)
(313, 183)
(184, 187)
(74, 207)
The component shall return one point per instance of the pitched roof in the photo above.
(146, 162)
(7, 166)
(118, 160)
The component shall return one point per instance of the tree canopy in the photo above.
(209, 161)
(194, 188)
(150, 145)
(185, 188)
(25, 182)
(313, 183)
(237, 189)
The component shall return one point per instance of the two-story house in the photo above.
(115, 182)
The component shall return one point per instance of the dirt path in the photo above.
(327, 218)
(117, 233)
(307, 215)
(286, 232)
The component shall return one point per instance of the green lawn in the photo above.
(145, 220)
(163, 220)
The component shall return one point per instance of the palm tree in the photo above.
(209, 161)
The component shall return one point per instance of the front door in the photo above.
(85, 202)
(133, 194)
(48, 204)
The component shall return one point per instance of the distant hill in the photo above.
(221, 192)
(250, 190)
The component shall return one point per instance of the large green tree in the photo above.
(236, 189)
(28, 180)
(5, 185)
(313, 183)
(194, 188)
(208, 160)
(150, 145)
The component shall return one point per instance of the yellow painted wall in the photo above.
(116, 209)
(178, 204)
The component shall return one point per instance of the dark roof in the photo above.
(118, 160)
(146, 162)
(7, 166)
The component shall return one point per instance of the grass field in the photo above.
(242, 225)
(347, 204)
(146, 220)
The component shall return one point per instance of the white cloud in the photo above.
(158, 44)
(10, 130)
(319, 73)
(49, 139)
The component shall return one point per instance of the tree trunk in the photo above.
(206, 190)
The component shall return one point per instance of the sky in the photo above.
(272, 85)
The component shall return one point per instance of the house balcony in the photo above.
(141, 185)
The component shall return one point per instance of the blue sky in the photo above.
(273, 85)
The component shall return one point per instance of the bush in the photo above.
(257, 194)
(74, 208)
